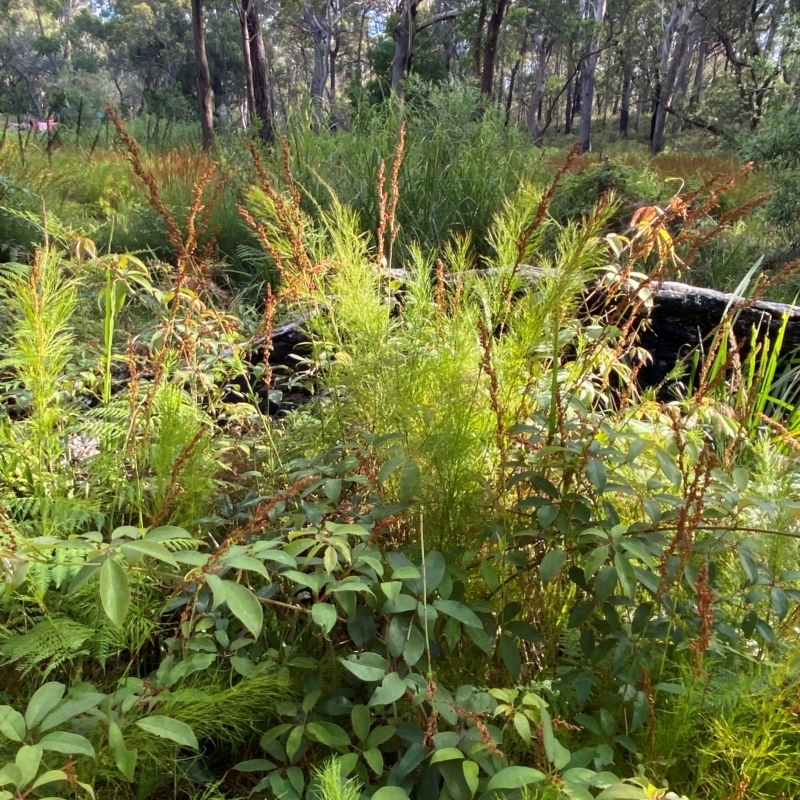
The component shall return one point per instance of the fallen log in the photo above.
(681, 318)
(685, 317)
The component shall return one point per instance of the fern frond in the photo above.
(48, 645)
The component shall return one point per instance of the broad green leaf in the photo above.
(374, 758)
(523, 630)
(397, 635)
(406, 574)
(391, 689)
(10, 773)
(245, 606)
(514, 778)
(247, 563)
(68, 743)
(389, 467)
(434, 569)
(28, 759)
(294, 740)
(146, 547)
(551, 565)
(331, 560)
(361, 717)
(254, 765)
(596, 473)
(741, 477)
(637, 549)
(274, 733)
(332, 488)
(166, 533)
(391, 589)
(390, 793)
(557, 754)
(381, 735)
(668, 466)
(573, 791)
(12, 724)
(749, 564)
(217, 586)
(43, 701)
(780, 601)
(329, 734)
(324, 614)
(415, 646)
(168, 728)
(489, 575)
(594, 560)
(115, 591)
(51, 776)
(347, 763)
(409, 481)
(446, 754)
(626, 575)
(126, 532)
(452, 608)
(547, 514)
(605, 583)
(370, 667)
(622, 791)
(192, 558)
(124, 759)
(71, 708)
(509, 652)
(471, 771)
(523, 726)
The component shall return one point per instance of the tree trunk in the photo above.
(639, 106)
(319, 77)
(677, 54)
(682, 81)
(478, 43)
(587, 97)
(258, 57)
(248, 68)
(403, 39)
(360, 48)
(568, 111)
(534, 107)
(697, 87)
(654, 109)
(625, 102)
(510, 95)
(205, 94)
(405, 31)
(334, 53)
(588, 67)
(490, 48)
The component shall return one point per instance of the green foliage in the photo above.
(580, 192)
(469, 567)
(774, 147)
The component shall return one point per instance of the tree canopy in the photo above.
(553, 65)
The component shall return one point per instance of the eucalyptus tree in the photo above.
(33, 52)
(204, 92)
(323, 21)
(593, 13)
(333, 26)
(262, 98)
(407, 26)
(674, 54)
(494, 25)
(759, 41)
